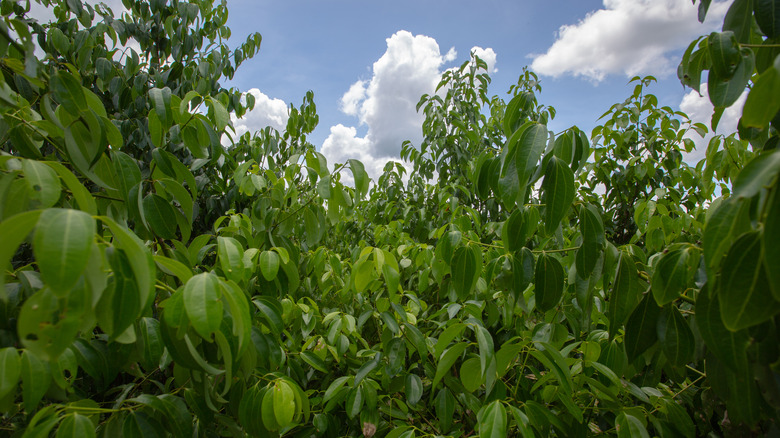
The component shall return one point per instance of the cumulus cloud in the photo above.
(700, 109)
(631, 37)
(267, 112)
(386, 103)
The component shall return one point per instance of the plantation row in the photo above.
(515, 282)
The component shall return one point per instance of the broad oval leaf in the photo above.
(269, 264)
(62, 243)
(557, 192)
(625, 293)
(673, 272)
(284, 403)
(202, 303)
(465, 271)
(675, 336)
(548, 281)
(160, 216)
(728, 346)
(743, 290)
(10, 370)
(492, 420)
(641, 331)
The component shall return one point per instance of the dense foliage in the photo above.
(517, 282)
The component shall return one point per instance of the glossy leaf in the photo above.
(625, 293)
(675, 336)
(761, 105)
(743, 289)
(728, 346)
(641, 331)
(492, 420)
(465, 271)
(628, 426)
(62, 243)
(548, 281)
(557, 192)
(269, 264)
(10, 370)
(203, 304)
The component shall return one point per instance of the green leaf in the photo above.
(36, 378)
(522, 273)
(767, 13)
(641, 331)
(10, 370)
(548, 281)
(448, 359)
(13, 231)
(267, 411)
(138, 255)
(515, 231)
(445, 408)
(354, 401)
(557, 192)
(446, 246)
(62, 243)
(202, 303)
(465, 271)
(314, 361)
(770, 238)
(593, 239)
(675, 336)
(725, 223)
(231, 258)
(762, 104)
(366, 368)
(360, 176)
(486, 347)
(77, 426)
(83, 197)
(160, 216)
(471, 375)
(723, 91)
(728, 346)
(127, 171)
(220, 114)
(739, 19)
(628, 426)
(44, 185)
(334, 388)
(625, 293)
(724, 53)
(68, 92)
(173, 267)
(272, 313)
(492, 420)
(553, 360)
(757, 174)
(120, 304)
(672, 274)
(413, 387)
(530, 146)
(48, 325)
(269, 264)
(744, 291)
(284, 403)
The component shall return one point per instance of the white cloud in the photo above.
(700, 109)
(410, 67)
(267, 112)
(631, 37)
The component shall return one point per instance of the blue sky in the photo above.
(369, 61)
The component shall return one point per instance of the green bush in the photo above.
(517, 282)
